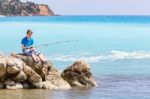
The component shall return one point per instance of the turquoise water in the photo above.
(116, 47)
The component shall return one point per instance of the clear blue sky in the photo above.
(98, 7)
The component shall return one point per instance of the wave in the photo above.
(113, 55)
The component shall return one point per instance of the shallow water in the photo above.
(116, 47)
(109, 87)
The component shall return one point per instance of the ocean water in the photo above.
(116, 47)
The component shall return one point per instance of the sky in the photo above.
(97, 7)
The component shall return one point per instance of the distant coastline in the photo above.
(18, 8)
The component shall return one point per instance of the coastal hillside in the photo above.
(18, 8)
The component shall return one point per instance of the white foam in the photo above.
(129, 55)
(113, 55)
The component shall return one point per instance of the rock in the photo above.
(12, 70)
(79, 75)
(26, 85)
(32, 76)
(14, 65)
(1, 85)
(55, 81)
(2, 67)
(41, 69)
(15, 86)
(19, 71)
(21, 77)
(44, 10)
(12, 85)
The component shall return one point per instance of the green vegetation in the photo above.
(17, 8)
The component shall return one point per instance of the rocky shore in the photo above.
(18, 8)
(18, 71)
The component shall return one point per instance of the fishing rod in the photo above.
(52, 43)
(47, 44)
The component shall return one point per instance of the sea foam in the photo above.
(112, 55)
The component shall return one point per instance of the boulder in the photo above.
(1, 85)
(9, 84)
(14, 65)
(2, 67)
(79, 75)
(20, 77)
(19, 71)
(55, 81)
(32, 76)
(41, 69)
(26, 85)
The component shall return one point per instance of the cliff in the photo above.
(44, 10)
(18, 8)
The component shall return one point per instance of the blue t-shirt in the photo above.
(27, 42)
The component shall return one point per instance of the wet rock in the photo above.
(26, 85)
(13, 85)
(10, 84)
(1, 85)
(79, 74)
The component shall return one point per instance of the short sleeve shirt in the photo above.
(27, 42)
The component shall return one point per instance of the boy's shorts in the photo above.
(29, 53)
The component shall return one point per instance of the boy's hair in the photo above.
(29, 31)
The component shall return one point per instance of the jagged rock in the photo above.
(2, 67)
(19, 71)
(79, 75)
(41, 69)
(12, 85)
(14, 65)
(55, 81)
(32, 76)
(21, 77)
(15, 86)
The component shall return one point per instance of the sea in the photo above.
(117, 48)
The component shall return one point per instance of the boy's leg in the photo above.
(34, 58)
(42, 58)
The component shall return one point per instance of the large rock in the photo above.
(79, 75)
(33, 77)
(19, 71)
(12, 85)
(2, 67)
(41, 69)
(14, 65)
(55, 81)
(20, 77)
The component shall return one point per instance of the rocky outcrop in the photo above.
(18, 8)
(19, 71)
(79, 74)
(44, 10)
